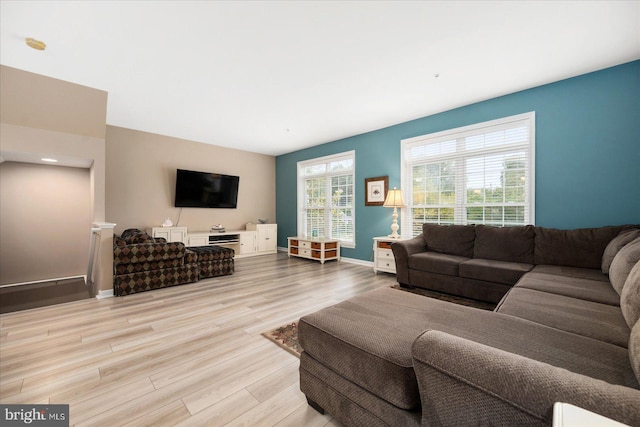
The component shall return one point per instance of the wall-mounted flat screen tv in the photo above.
(206, 190)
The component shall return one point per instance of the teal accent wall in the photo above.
(587, 155)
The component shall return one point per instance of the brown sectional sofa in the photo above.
(565, 330)
(483, 262)
(144, 263)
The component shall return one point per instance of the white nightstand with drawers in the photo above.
(383, 259)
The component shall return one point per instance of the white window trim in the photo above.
(530, 116)
(301, 189)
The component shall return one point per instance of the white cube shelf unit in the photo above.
(318, 249)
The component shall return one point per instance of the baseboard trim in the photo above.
(356, 261)
(105, 294)
(55, 279)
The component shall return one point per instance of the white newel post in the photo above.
(103, 273)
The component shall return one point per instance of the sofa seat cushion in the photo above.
(368, 338)
(212, 253)
(365, 341)
(602, 322)
(575, 287)
(580, 273)
(143, 281)
(505, 272)
(147, 266)
(142, 252)
(435, 262)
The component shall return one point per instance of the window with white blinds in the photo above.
(326, 198)
(479, 174)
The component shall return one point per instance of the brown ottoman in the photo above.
(214, 260)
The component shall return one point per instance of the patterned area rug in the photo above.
(287, 336)
(450, 298)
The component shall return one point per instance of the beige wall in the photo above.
(37, 101)
(41, 116)
(141, 173)
(45, 216)
(42, 142)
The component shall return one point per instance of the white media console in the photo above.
(257, 239)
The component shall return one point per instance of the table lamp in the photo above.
(394, 200)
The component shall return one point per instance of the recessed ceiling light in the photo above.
(35, 44)
(47, 159)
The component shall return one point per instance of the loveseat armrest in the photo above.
(464, 383)
(147, 252)
(402, 250)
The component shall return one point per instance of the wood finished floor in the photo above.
(190, 355)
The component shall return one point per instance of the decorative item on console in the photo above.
(167, 223)
(219, 228)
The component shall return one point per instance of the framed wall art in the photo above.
(375, 190)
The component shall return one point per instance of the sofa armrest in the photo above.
(402, 250)
(147, 252)
(462, 383)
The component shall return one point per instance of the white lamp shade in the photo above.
(394, 199)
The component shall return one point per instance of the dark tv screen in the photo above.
(206, 190)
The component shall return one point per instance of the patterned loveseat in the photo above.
(142, 263)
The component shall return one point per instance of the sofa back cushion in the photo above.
(622, 264)
(133, 235)
(582, 247)
(630, 297)
(130, 232)
(615, 245)
(514, 244)
(450, 239)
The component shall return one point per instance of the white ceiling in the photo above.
(276, 76)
